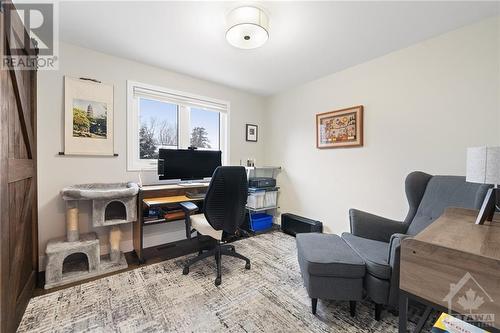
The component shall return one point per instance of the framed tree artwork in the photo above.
(340, 129)
(88, 117)
(251, 133)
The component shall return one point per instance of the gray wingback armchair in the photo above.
(377, 239)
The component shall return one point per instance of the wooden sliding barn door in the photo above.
(18, 208)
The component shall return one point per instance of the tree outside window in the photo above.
(158, 127)
(204, 129)
(199, 138)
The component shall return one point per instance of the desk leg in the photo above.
(137, 230)
(403, 312)
(423, 320)
(137, 240)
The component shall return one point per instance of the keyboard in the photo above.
(195, 195)
(192, 184)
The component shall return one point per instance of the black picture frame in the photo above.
(252, 132)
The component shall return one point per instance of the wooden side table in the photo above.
(447, 259)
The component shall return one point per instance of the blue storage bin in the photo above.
(260, 221)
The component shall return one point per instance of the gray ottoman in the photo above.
(330, 269)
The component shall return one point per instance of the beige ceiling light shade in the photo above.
(248, 27)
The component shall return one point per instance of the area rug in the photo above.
(269, 297)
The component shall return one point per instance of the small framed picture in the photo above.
(252, 133)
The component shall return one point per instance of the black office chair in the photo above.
(224, 212)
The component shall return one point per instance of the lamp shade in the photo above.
(483, 165)
(247, 27)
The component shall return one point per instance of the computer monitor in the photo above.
(187, 164)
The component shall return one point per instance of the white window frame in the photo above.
(134, 163)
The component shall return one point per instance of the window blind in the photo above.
(175, 98)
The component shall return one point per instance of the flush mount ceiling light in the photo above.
(247, 27)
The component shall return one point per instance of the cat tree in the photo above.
(112, 205)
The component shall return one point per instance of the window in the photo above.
(158, 127)
(160, 118)
(204, 129)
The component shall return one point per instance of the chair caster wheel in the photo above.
(185, 271)
(247, 265)
(218, 281)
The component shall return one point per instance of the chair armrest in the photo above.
(394, 248)
(394, 260)
(374, 227)
(189, 209)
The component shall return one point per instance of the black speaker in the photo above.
(293, 224)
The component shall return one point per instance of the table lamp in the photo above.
(483, 166)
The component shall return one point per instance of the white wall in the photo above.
(424, 105)
(56, 172)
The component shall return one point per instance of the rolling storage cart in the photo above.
(262, 203)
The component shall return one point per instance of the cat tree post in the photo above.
(115, 236)
(72, 232)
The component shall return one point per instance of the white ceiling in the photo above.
(307, 40)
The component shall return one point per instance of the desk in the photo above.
(448, 256)
(158, 195)
(157, 201)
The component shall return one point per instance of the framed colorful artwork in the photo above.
(340, 128)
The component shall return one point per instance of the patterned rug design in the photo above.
(158, 298)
